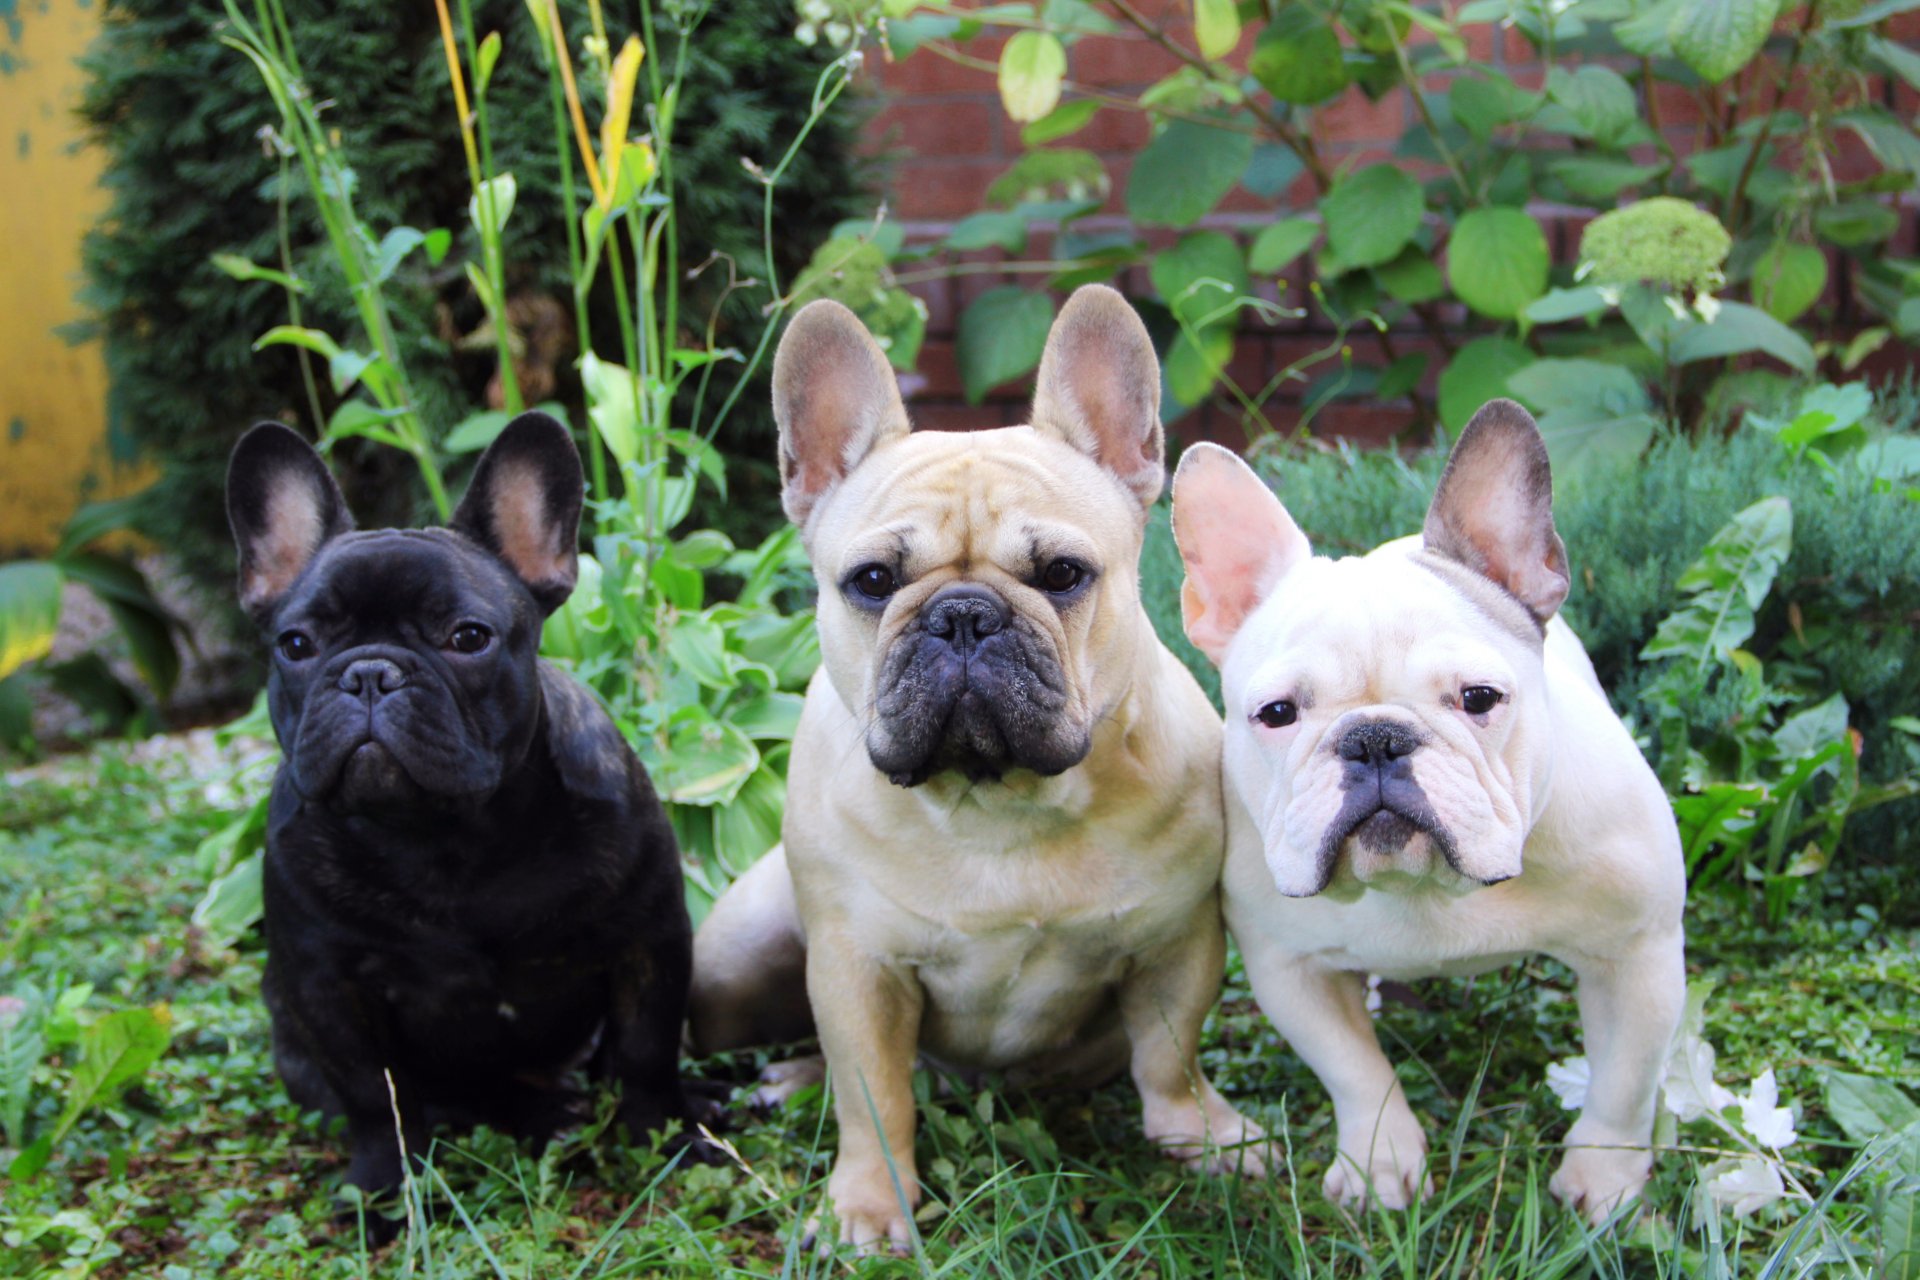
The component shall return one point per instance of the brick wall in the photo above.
(941, 125)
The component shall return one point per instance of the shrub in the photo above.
(194, 171)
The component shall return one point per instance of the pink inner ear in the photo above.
(1237, 542)
(293, 530)
(528, 541)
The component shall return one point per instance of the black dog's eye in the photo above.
(469, 637)
(1478, 699)
(1277, 715)
(296, 646)
(1062, 576)
(874, 581)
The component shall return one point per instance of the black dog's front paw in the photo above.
(645, 1117)
(378, 1219)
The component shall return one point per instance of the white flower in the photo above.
(1745, 1184)
(1769, 1123)
(1689, 1086)
(1707, 306)
(806, 33)
(1373, 994)
(1678, 308)
(1568, 1080)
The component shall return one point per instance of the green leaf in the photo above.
(1402, 376)
(1216, 27)
(1184, 173)
(1592, 414)
(1725, 586)
(1371, 215)
(367, 421)
(492, 204)
(1891, 139)
(1271, 170)
(1866, 1107)
(1788, 279)
(1001, 337)
(241, 268)
(1497, 261)
(1566, 304)
(232, 903)
(394, 247)
(1298, 58)
(1192, 368)
(1811, 730)
(1412, 277)
(29, 612)
(1031, 68)
(114, 1052)
(288, 335)
(1201, 278)
(612, 406)
(476, 431)
(1736, 329)
(145, 625)
(96, 520)
(1063, 121)
(745, 829)
(1719, 37)
(1478, 373)
(1601, 179)
(484, 64)
(1598, 98)
(1483, 105)
(706, 761)
(1279, 243)
(1852, 224)
(990, 229)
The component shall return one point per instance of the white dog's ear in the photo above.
(1237, 542)
(835, 398)
(1099, 389)
(1493, 511)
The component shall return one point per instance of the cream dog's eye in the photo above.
(1062, 576)
(1278, 715)
(1478, 699)
(874, 581)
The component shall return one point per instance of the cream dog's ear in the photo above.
(835, 398)
(1493, 511)
(1099, 389)
(1237, 542)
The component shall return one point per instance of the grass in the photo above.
(204, 1169)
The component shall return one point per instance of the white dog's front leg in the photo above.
(1322, 1012)
(1630, 1006)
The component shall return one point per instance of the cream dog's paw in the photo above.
(870, 1212)
(780, 1081)
(1596, 1181)
(1216, 1141)
(1386, 1167)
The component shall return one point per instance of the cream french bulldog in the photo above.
(1424, 778)
(1004, 831)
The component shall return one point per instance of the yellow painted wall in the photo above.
(53, 396)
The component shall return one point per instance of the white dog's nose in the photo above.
(1377, 742)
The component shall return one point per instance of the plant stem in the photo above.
(1736, 200)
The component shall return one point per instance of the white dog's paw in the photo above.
(1385, 1167)
(780, 1081)
(1213, 1138)
(1595, 1181)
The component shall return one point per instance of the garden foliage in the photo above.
(1716, 238)
(204, 182)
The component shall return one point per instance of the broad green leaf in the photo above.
(1580, 384)
(706, 760)
(1031, 68)
(697, 648)
(1002, 334)
(1412, 277)
(1371, 215)
(1478, 373)
(612, 406)
(1788, 279)
(1483, 105)
(990, 229)
(1865, 1107)
(144, 623)
(1063, 121)
(96, 520)
(1191, 369)
(1566, 304)
(1584, 440)
(1271, 170)
(1201, 278)
(1497, 261)
(231, 903)
(747, 827)
(1280, 243)
(1601, 179)
(491, 205)
(1891, 139)
(1402, 376)
(1719, 37)
(1813, 729)
(114, 1052)
(358, 418)
(1184, 173)
(1725, 586)
(1897, 58)
(1598, 98)
(1216, 27)
(1297, 58)
(476, 431)
(1737, 328)
(394, 247)
(1852, 224)
(29, 612)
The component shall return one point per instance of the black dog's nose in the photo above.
(375, 675)
(964, 613)
(1377, 742)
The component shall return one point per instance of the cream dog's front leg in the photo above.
(869, 1020)
(1630, 1007)
(1322, 1012)
(1164, 1000)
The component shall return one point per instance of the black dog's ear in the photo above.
(524, 506)
(284, 506)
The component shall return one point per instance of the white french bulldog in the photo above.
(1423, 777)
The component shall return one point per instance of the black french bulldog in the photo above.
(468, 876)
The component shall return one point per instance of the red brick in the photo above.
(1123, 61)
(961, 128)
(944, 188)
(925, 71)
(1353, 117)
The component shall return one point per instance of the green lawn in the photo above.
(203, 1169)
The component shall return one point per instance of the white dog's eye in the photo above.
(1478, 699)
(1278, 715)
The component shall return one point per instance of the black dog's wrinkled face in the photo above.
(404, 672)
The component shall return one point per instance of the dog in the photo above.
(469, 883)
(1003, 835)
(1424, 777)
